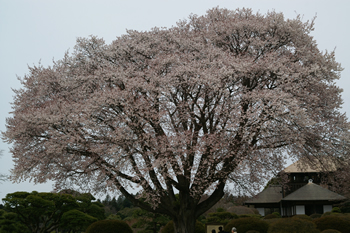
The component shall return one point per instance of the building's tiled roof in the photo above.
(313, 192)
(272, 194)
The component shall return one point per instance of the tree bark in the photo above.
(185, 222)
(185, 219)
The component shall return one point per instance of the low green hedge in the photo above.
(336, 222)
(293, 225)
(109, 226)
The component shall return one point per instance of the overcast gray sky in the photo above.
(42, 30)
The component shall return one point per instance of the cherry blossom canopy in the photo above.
(218, 98)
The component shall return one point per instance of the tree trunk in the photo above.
(185, 220)
(185, 223)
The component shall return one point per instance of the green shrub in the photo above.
(314, 216)
(199, 228)
(271, 216)
(345, 207)
(76, 221)
(330, 231)
(247, 224)
(221, 217)
(271, 221)
(276, 214)
(326, 214)
(330, 213)
(293, 225)
(169, 227)
(337, 222)
(303, 217)
(9, 223)
(109, 226)
(336, 210)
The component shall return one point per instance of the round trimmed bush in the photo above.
(109, 226)
(335, 222)
(303, 217)
(248, 224)
(293, 225)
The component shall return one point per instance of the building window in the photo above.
(299, 209)
(327, 208)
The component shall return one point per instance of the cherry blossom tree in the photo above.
(179, 113)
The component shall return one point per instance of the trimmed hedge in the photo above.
(293, 225)
(109, 226)
(337, 222)
(248, 224)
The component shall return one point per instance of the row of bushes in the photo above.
(225, 217)
(297, 224)
(252, 222)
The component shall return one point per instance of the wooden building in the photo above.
(299, 174)
(303, 193)
(268, 201)
(309, 199)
